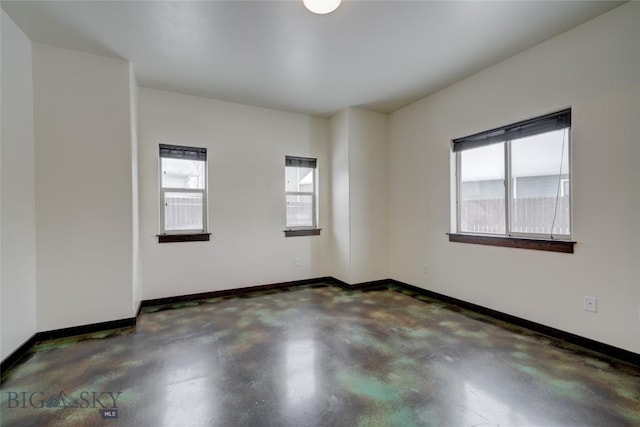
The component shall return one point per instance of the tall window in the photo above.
(300, 193)
(183, 190)
(515, 180)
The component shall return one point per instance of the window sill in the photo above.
(192, 237)
(515, 242)
(309, 232)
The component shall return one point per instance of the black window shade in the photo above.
(548, 123)
(300, 162)
(182, 152)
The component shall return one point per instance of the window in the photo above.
(300, 194)
(515, 181)
(183, 193)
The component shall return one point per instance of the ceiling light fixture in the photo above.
(321, 7)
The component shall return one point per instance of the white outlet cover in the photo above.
(591, 304)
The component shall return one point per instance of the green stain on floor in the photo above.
(404, 361)
(127, 397)
(520, 355)
(70, 341)
(558, 386)
(627, 391)
(465, 333)
(533, 372)
(361, 337)
(449, 324)
(631, 414)
(403, 417)
(346, 298)
(185, 304)
(597, 363)
(420, 333)
(53, 345)
(385, 416)
(269, 318)
(369, 386)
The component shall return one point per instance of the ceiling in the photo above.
(379, 55)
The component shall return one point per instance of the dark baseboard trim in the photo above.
(362, 286)
(139, 309)
(85, 329)
(339, 283)
(54, 334)
(232, 292)
(17, 354)
(560, 335)
(586, 343)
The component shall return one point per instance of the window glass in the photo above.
(182, 173)
(299, 179)
(183, 189)
(516, 180)
(182, 211)
(482, 194)
(540, 184)
(300, 211)
(300, 193)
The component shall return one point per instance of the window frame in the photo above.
(510, 133)
(310, 163)
(184, 153)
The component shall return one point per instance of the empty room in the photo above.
(320, 213)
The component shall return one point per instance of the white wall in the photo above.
(135, 209)
(83, 188)
(368, 180)
(17, 218)
(340, 196)
(246, 147)
(359, 157)
(594, 69)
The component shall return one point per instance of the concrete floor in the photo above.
(318, 356)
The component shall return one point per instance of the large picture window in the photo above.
(515, 181)
(183, 190)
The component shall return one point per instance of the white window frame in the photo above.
(508, 179)
(311, 163)
(187, 151)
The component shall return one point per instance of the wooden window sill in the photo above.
(192, 237)
(309, 232)
(515, 242)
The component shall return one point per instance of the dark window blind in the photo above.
(300, 162)
(181, 152)
(548, 123)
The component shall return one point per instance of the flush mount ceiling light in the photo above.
(321, 7)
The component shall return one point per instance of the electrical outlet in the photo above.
(424, 268)
(297, 262)
(591, 304)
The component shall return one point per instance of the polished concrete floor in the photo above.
(318, 356)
